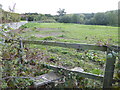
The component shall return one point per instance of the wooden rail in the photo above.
(110, 62)
(68, 45)
(81, 73)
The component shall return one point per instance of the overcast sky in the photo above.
(52, 6)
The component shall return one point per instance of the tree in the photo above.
(61, 12)
(13, 8)
(78, 18)
(64, 19)
(0, 6)
(100, 19)
(90, 21)
(112, 17)
(1, 15)
(75, 18)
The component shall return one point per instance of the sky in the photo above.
(52, 6)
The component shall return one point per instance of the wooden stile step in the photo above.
(46, 78)
(77, 69)
(50, 77)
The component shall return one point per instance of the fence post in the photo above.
(109, 69)
(118, 68)
(20, 51)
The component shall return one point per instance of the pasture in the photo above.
(91, 61)
(73, 33)
(89, 34)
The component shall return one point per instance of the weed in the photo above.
(49, 38)
(62, 36)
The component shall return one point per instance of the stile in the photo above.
(110, 59)
(80, 72)
(46, 78)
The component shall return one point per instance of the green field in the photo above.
(75, 33)
(89, 60)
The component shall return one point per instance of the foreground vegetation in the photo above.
(34, 55)
(7, 17)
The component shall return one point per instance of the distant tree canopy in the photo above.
(0, 6)
(107, 18)
(112, 18)
(100, 19)
(38, 17)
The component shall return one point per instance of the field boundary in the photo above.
(107, 79)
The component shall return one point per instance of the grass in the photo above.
(90, 61)
(89, 34)
(74, 33)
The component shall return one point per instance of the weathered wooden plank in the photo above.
(46, 78)
(114, 48)
(81, 73)
(68, 45)
(109, 70)
(77, 69)
(50, 77)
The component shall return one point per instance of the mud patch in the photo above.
(47, 29)
(37, 29)
(49, 34)
(19, 30)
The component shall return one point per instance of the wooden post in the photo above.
(1, 71)
(118, 70)
(21, 50)
(109, 70)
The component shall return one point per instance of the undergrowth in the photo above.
(17, 63)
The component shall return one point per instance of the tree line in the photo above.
(103, 18)
(38, 17)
